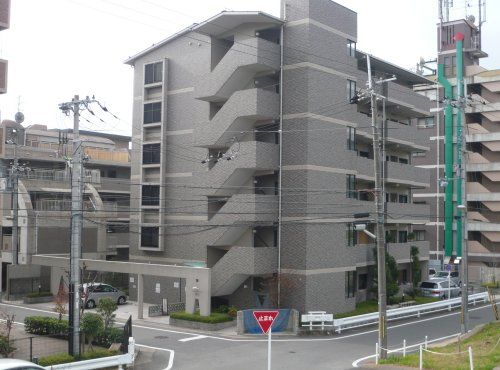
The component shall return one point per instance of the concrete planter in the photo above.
(201, 325)
(28, 300)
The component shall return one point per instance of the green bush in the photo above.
(214, 318)
(222, 309)
(42, 325)
(60, 358)
(107, 338)
(232, 311)
(98, 353)
(39, 294)
(6, 346)
(92, 325)
(491, 284)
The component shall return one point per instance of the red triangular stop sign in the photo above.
(265, 319)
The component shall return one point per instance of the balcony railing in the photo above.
(59, 205)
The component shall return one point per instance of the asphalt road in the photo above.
(185, 350)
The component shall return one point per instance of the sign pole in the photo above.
(269, 348)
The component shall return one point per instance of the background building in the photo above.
(212, 186)
(44, 199)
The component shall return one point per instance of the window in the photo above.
(153, 73)
(152, 113)
(426, 122)
(150, 195)
(403, 236)
(150, 237)
(362, 281)
(351, 235)
(351, 138)
(403, 198)
(351, 187)
(351, 90)
(364, 154)
(419, 235)
(151, 154)
(351, 48)
(403, 160)
(394, 158)
(275, 236)
(393, 197)
(350, 284)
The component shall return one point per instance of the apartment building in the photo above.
(219, 187)
(481, 126)
(4, 25)
(44, 199)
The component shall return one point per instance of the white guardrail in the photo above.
(404, 312)
(100, 363)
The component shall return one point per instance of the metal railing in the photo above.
(405, 312)
(59, 205)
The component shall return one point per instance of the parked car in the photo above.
(11, 364)
(453, 275)
(432, 272)
(439, 288)
(94, 292)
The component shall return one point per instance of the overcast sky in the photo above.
(58, 48)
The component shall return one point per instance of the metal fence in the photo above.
(31, 348)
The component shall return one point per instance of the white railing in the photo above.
(119, 361)
(404, 312)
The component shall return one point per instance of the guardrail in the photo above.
(119, 361)
(404, 312)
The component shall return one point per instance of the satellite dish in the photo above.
(19, 117)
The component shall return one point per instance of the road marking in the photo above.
(170, 358)
(359, 360)
(277, 339)
(192, 338)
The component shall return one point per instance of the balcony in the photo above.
(114, 157)
(236, 69)
(407, 102)
(248, 208)
(239, 113)
(226, 177)
(400, 212)
(113, 185)
(116, 210)
(400, 251)
(238, 264)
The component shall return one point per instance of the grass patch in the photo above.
(214, 318)
(486, 355)
(372, 306)
(39, 294)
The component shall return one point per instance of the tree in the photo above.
(6, 345)
(391, 274)
(61, 300)
(91, 325)
(106, 309)
(416, 272)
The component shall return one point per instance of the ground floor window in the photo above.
(362, 281)
(350, 284)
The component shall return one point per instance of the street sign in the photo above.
(265, 319)
(447, 267)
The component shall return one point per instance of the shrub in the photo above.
(106, 309)
(98, 353)
(39, 294)
(491, 284)
(6, 346)
(107, 338)
(222, 309)
(60, 358)
(91, 325)
(214, 318)
(232, 311)
(42, 325)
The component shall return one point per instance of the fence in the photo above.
(34, 347)
(405, 312)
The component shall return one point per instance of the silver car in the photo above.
(439, 288)
(452, 275)
(92, 293)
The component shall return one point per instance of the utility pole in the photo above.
(77, 183)
(15, 207)
(379, 205)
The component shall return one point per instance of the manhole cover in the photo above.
(161, 337)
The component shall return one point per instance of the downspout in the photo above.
(460, 92)
(448, 158)
(280, 176)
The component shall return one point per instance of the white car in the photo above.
(11, 364)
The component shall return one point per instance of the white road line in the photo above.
(170, 358)
(192, 338)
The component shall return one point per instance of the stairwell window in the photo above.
(350, 284)
(150, 195)
(150, 237)
(351, 48)
(351, 138)
(351, 90)
(351, 187)
(153, 73)
(351, 235)
(152, 113)
(151, 154)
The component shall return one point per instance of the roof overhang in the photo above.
(388, 68)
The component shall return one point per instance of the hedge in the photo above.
(60, 358)
(42, 325)
(214, 318)
(39, 294)
(98, 353)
